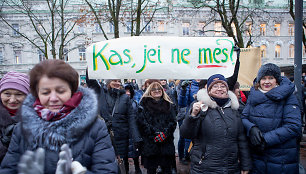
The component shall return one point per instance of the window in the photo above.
(1, 56)
(82, 53)
(97, 28)
(263, 51)
(65, 54)
(248, 28)
(17, 55)
(111, 28)
(41, 56)
(277, 29)
(147, 27)
(39, 28)
(291, 51)
(161, 26)
(256, 1)
(81, 28)
(218, 28)
(277, 51)
(201, 30)
(186, 27)
(263, 29)
(291, 29)
(16, 30)
(128, 27)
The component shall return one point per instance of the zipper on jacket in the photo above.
(222, 110)
(202, 157)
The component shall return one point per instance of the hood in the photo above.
(203, 96)
(51, 135)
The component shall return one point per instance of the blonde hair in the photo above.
(149, 89)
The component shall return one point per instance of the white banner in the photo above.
(148, 57)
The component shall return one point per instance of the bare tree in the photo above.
(291, 11)
(128, 13)
(233, 17)
(49, 20)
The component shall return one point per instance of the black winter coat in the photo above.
(122, 121)
(156, 116)
(218, 137)
(7, 124)
(81, 129)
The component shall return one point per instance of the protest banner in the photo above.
(250, 63)
(145, 57)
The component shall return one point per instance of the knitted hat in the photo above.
(15, 80)
(269, 69)
(217, 78)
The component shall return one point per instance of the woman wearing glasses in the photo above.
(216, 130)
(157, 123)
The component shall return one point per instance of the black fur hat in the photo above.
(269, 69)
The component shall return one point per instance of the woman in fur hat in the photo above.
(273, 122)
(157, 123)
(215, 127)
(14, 87)
(59, 112)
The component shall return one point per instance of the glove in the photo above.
(32, 162)
(255, 136)
(184, 84)
(65, 165)
(160, 137)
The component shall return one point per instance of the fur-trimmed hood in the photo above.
(203, 96)
(51, 135)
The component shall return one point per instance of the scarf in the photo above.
(220, 101)
(68, 106)
(12, 112)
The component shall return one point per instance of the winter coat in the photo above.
(81, 129)
(7, 124)
(156, 116)
(220, 145)
(186, 97)
(277, 115)
(134, 135)
(123, 120)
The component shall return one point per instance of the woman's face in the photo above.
(156, 92)
(53, 93)
(12, 98)
(267, 83)
(115, 84)
(218, 90)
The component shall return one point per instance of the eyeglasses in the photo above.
(155, 89)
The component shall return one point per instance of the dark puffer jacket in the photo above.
(220, 145)
(276, 113)
(7, 124)
(123, 120)
(156, 117)
(81, 129)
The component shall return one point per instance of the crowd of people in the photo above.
(51, 124)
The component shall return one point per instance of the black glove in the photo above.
(256, 136)
(184, 84)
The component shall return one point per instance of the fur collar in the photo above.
(51, 135)
(6, 119)
(203, 96)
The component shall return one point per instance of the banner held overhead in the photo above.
(144, 57)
